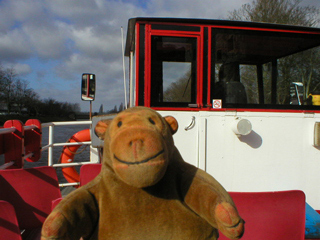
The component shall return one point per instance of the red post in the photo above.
(32, 140)
(1, 143)
(14, 143)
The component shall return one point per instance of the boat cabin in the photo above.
(246, 96)
(187, 64)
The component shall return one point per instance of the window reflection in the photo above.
(173, 71)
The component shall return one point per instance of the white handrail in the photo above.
(69, 184)
(12, 129)
(29, 127)
(66, 123)
(71, 144)
(52, 144)
(27, 156)
(64, 144)
(7, 130)
(6, 165)
(71, 164)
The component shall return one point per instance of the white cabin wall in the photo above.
(186, 140)
(277, 155)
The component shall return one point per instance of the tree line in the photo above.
(17, 97)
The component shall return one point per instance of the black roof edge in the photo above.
(132, 22)
(130, 36)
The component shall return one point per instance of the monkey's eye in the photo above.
(151, 121)
(119, 124)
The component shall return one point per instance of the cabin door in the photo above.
(173, 85)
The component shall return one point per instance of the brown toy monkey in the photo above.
(145, 190)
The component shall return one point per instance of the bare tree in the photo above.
(32, 102)
(277, 11)
(290, 68)
(20, 93)
(16, 95)
(7, 87)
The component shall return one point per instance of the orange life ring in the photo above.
(68, 152)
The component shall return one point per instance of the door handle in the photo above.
(191, 125)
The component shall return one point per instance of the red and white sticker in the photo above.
(217, 103)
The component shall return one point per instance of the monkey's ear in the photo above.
(101, 128)
(173, 124)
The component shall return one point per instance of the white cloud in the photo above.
(16, 12)
(96, 44)
(48, 40)
(193, 9)
(79, 63)
(22, 69)
(22, 10)
(13, 46)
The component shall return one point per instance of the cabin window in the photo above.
(173, 71)
(265, 69)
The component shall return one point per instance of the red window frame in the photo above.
(147, 86)
(149, 32)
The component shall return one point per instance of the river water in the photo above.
(61, 135)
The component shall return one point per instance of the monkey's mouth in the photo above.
(139, 162)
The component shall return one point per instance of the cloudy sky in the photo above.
(51, 43)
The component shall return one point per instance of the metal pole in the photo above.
(50, 143)
(90, 114)
(274, 82)
(131, 91)
(124, 72)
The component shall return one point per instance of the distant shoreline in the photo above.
(42, 119)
